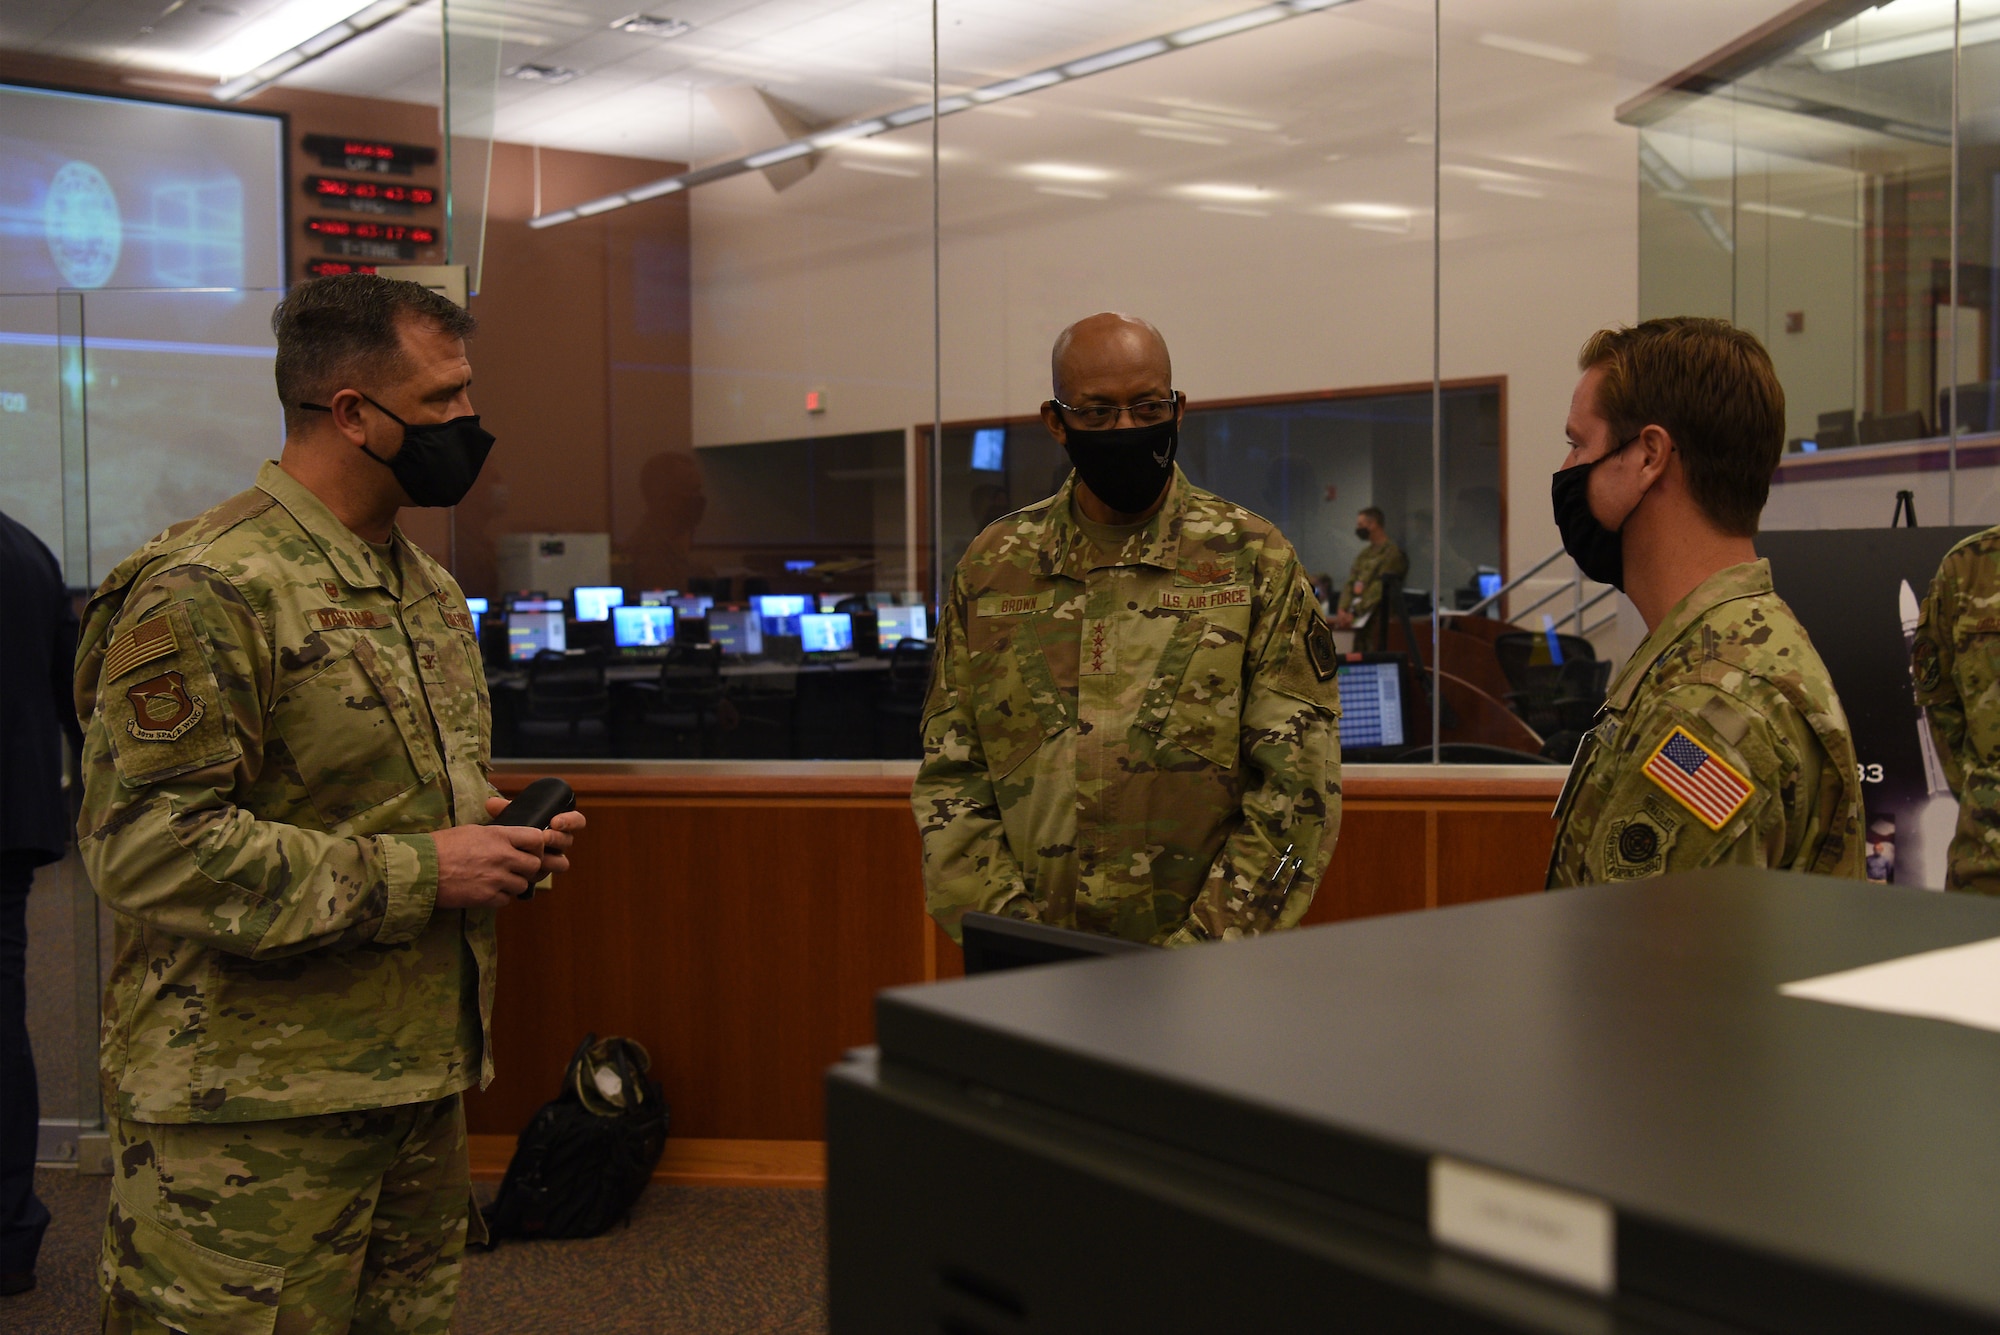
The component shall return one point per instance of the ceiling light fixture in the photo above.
(1885, 49)
(549, 74)
(1370, 212)
(652, 25)
(1064, 171)
(1236, 194)
(1521, 46)
(257, 72)
(977, 97)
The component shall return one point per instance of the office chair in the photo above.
(900, 706)
(567, 688)
(688, 699)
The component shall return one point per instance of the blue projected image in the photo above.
(81, 224)
(198, 234)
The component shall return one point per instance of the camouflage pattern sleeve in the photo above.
(175, 708)
(1933, 667)
(967, 863)
(1653, 821)
(1291, 750)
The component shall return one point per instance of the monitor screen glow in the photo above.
(1371, 705)
(899, 623)
(989, 449)
(528, 633)
(642, 627)
(594, 602)
(535, 605)
(781, 612)
(737, 632)
(826, 632)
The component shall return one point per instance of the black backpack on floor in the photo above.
(587, 1154)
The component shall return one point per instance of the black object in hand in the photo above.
(539, 803)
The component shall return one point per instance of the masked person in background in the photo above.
(1378, 562)
(1721, 741)
(287, 738)
(1132, 721)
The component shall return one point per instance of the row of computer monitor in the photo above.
(538, 623)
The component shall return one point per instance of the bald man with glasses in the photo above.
(1132, 722)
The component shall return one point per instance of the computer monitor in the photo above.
(1489, 582)
(737, 632)
(993, 943)
(593, 602)
(1374, 713)
(525, 603)
(642, 627)
(528, 633)
(657, 597)
(989, 449)
(691, 604)
(476, 606)
(901, 623)
(826, 632)
(781, 612)
(830, 602)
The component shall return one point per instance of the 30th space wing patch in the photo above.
(150, 639)
(1698, 779)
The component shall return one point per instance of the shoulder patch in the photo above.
(1726, 719)
(1319, 649)
(1924, 663)
(1698, 779)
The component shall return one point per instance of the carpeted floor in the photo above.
(695, 1261)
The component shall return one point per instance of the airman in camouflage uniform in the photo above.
(1127, 741)
(284, 725)
(1722, 741)
(1378, 562)
(1955, 659)
(1731, 669)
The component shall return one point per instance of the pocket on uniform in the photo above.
(346, 731)
(1016, 704)
(1195, 699)
(149, 1269)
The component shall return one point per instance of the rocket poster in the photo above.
(1857, 592)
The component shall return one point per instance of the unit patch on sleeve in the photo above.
(162, 709)
(1698, 779)
(1319, 649)
(150, 639)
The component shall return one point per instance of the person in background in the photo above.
(287, 806)
(1367, 580)
(35, 714)
(1131, 727)
(1954, 658)
(1722, 740)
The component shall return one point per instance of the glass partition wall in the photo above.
(782, 356)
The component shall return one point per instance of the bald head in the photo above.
(1110, 358)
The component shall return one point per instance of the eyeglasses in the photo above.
(1098, 416)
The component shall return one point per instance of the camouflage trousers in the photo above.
(351, 1221)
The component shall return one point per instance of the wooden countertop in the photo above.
(891, 778)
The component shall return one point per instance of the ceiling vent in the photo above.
(652, 25)
(549, 74)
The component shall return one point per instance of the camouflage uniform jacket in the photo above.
(1721, 742)
(271, 735)
(1127, 744)
(1363, 591)
(1955, 659)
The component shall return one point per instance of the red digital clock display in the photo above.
(383, 192)
(368, 155)
(372, 231)
(335, 268)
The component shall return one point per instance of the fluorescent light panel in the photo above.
(270, 69)
(977, 97)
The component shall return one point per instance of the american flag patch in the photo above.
(150, 639)
(1698, 779)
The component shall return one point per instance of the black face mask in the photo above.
(1362, 534)
(1125, 467)
(439, 461)
(1598, 551)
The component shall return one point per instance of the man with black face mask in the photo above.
(1132, 721)
(1721, 741)
(286, 803)
(1378, 562)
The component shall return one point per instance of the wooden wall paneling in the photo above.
(1490, 851)
(741, 940)
(1378, 863)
